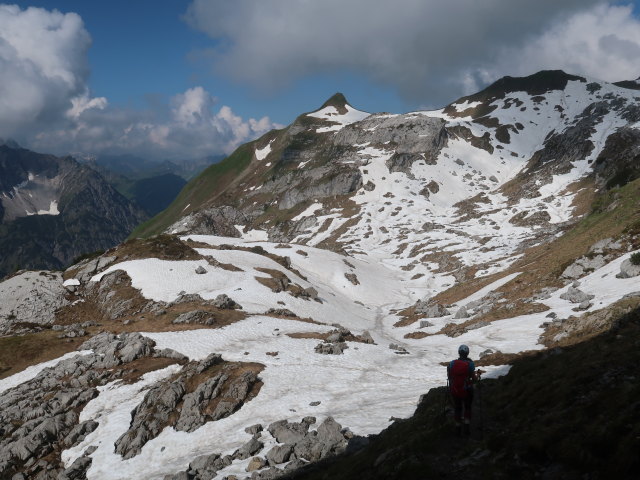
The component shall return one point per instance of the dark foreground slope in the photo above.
(570, 413)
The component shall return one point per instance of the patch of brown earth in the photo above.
(124, 309)
(314, 335)
(20, 352)
(133, 371)
(163, 247)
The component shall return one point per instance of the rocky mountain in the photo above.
(53, 210)
(306, 291)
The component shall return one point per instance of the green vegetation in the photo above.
(205, 187)
(635, 258)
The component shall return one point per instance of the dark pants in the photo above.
(463, 404)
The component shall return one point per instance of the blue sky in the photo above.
(142, 49)
(180, 79)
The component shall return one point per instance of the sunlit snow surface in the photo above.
(390, 247)
(361, 389)
(262, 153)
(339, 120)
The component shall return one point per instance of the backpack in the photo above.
(459, 373)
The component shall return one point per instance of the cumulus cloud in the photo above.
(43, 67)
(45, 102)
(430, 50)
(189, 127)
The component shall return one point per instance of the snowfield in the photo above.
(415, 228)
(361, 388)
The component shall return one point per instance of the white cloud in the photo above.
(431, 51)
(43, 66)
(602, 42)
(45, 101)
(190, 128)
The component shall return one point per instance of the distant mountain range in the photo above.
(151, 184)
(54, 209)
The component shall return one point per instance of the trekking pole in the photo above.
(480, 406)
(445, 401)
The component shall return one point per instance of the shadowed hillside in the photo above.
(563, 413)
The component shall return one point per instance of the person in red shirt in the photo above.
(460, 375)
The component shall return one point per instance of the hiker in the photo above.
(460, 375)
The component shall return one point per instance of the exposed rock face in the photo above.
(343, 184)
(88, 268)
(30, 297)
(55, 210)
(204, 391)
(212, 221)
(417, 134)
(38, 418)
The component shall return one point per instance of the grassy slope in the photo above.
(567, 414)
(205, 187)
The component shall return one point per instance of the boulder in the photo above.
(575, 295)
(256, 463)
(279, 454)
(331, 348)
(249, 449)
(628, 270)
(431, 310)
(195, 316)
(223, 302)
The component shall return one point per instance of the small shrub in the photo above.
(635, 258)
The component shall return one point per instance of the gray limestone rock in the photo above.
(286, 432)
(223, 301)
(31, 297)
(331, 348)
(219, 221)
(77, 470)
(575, 295)
(279, 454)
(365, 337)
(195, 316)
(270, 474)
(256, 463)
(435, 310)
(461, 313)
(88, 268)
(254, 429)
(628, 270)
(201, 270)
(249, 449)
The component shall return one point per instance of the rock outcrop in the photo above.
(39, 418)
(204, 391)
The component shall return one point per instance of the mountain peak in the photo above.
(9, 142)
(337, 100)
(535, 84)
